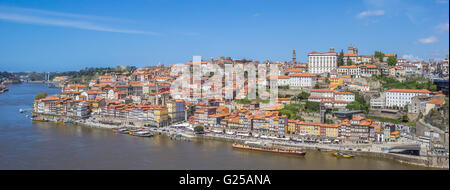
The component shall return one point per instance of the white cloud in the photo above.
(28, 11)
(428, 40)
(41, 17)
(370, 13)
(442, 27)
(442, 1)
(411, 57)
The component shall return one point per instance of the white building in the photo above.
(303, 80)
(402, 97)
(331, 98)
(297, 80)
(284, 80)
(410, 69)
(344, 96)
(322, 93)
(358, 70)
(319, 63)
(402, 61)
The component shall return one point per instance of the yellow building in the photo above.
(291, 126)
(161, 115)
(305, 128)
(335, 82)
(332, 131)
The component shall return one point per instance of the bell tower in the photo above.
(294, 57)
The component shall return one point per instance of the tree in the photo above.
(284, 87)
(405, 118)
(36, 77)
(303, 96)
(199, 129)
(40, 95)
(291, 110)
(379, 55)
(316, 86)
(391, 61)
(359, 104)
(349, 61)
(340, 58)
(312, 106)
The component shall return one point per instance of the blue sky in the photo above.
(62, 35)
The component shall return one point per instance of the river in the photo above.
(34, 145)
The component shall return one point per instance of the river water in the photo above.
(37, 145)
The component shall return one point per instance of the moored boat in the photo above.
(268, 148)
(121, 131)
(39, 119)
(342, 155)
(142, 133)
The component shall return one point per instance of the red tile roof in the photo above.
(410, 90)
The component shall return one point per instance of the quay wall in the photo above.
(425, 161)
(54, 117)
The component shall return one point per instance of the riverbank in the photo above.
(3, 90)
(441, 162)
(365, 150)
(49, 145)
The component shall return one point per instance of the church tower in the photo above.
(293, 57)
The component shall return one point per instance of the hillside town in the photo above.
(334, 97)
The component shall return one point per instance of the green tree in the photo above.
(291, 110)
(340, 58)
(316, 86)
(199, 129)
(303, 96)
(36, 77)
(349, 61)
(40, 95)
(359, 104)
(379, 55)
(284, 87)
(405, 119)
(391, 61)
(312, 106)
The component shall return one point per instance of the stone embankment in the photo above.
(367, 150)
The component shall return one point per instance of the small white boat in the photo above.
(217, 131)
(244, 134)
(142, 134)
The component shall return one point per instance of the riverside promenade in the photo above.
(366, 150)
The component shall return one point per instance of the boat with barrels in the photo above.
(256, 146)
